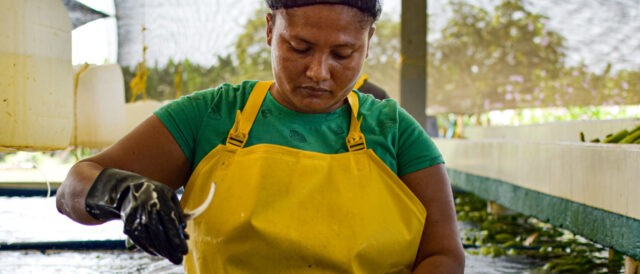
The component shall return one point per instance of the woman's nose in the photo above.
(318, 69)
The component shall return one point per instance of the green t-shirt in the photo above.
(201, 121)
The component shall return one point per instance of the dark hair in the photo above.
(371, 8)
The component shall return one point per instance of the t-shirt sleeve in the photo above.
(416, 150)
(183, 118)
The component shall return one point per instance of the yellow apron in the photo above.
(283, 210)
(361, 80)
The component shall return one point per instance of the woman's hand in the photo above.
(151, 212)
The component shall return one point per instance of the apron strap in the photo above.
(244, 119)
(361, 80)
(239, 134)
(355, 138)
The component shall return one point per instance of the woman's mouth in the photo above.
(315, 91)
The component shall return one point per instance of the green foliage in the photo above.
(252, 53)
(161, 80)
(383, 62)
(384, 48)
(492, 55)
(508, 58)
(503, 58)
(251, 59)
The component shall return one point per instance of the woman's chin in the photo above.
(316, 106)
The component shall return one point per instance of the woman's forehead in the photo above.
(332, 27)
(370, 8)
(341, 17)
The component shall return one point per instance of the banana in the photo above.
(615, 138)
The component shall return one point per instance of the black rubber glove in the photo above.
(151, 212)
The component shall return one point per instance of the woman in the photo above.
(308, 174)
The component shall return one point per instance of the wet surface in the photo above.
(83, 262)
(35, 219)
(138, 262)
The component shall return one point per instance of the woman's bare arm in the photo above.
(440, 249)
(149, 150)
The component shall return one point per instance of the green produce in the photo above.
(621, 137)
(615, 138)
(632, 137)
(504, 237)
(520, 235)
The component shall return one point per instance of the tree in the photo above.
(252, 53)
(489, 60)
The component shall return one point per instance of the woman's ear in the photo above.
(372, 30)
(270, 21)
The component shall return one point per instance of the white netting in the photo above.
(483, 55)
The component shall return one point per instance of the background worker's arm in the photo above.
(440, 249)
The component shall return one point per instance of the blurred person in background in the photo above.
(364, 85)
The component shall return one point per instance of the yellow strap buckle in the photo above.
(356, 142)
(236, 137)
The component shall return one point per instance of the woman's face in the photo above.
(316, 54)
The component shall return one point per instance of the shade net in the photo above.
(482, 55)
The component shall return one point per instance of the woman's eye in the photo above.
(342, 55)
(299, 49)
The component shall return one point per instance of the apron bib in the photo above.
(283, 210)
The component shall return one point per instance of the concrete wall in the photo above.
(591, 189)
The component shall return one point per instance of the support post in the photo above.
(413, 50)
